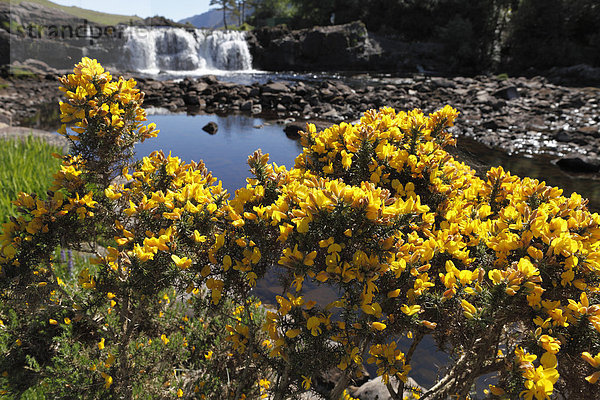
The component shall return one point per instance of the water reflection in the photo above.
(226, 152)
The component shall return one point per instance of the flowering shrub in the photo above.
(502, 272)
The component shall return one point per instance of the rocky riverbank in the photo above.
(518, 115)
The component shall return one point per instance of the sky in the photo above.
(173, 9)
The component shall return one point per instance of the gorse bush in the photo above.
(502, 272)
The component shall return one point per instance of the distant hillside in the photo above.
(92, 16)
(212, 19)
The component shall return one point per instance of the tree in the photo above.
(239, 10)
(226, 6)
(265, 10)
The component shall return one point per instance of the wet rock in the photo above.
(507, 93)
(210, 79)
(275, 87)
(211, 128)
(293, 130)
(579, 164)
(256, 109)
(246, 105)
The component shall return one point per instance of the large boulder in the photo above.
(338, 47)
(346, 47)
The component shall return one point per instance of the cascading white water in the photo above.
(154, 49)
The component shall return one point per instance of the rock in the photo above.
(211, 128)
(375, 389)
(563, 136)
(256, 109)
(481, 97)
(210, 79)
(158, 21)
(325, 381)
(490, 124)
(246, 105)
(39, 37)
(507, 93)
(191, 98)
(331, 115)
(542, 111)
(293, 130)
(579, 164)
(275, 87)
(254, 92)
(443, 83)
(593, 131)
(5, 117)
(200, 86)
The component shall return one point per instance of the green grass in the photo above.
(25, 166)
(21, 72)
(92, 16)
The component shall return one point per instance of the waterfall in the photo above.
(155, 49)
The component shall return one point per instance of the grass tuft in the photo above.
(25, 166)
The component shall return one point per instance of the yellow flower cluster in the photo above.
(167, 216)
(381, 213)
(389, 360)
(111, 108)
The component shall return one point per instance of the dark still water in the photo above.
(238, 136)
